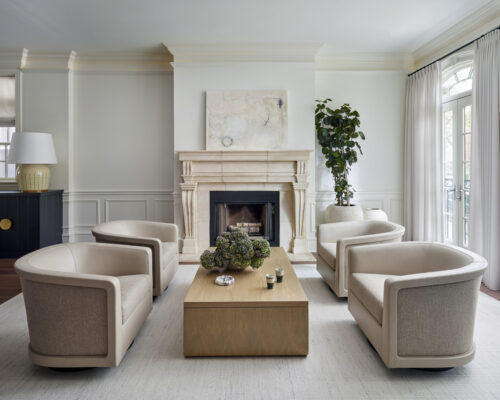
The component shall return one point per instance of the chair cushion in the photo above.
(133, 290)
(369, 289)
(328, 251)
(169, 251)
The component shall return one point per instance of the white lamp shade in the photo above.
(32, 148)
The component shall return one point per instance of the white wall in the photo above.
(46, 108)
(379, 96)
(123, 131)
(123, 140)
(113, 134)
(192, 80)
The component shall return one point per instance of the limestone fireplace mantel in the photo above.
(204, 167)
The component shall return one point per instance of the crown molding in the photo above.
(137, 61)
(48, 61)
(243, 52)
(145, 61)
(364, 62)
(478, 23)
(12, 59)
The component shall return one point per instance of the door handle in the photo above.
(458, 192)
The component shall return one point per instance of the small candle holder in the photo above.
(270, 279)
(280, 273)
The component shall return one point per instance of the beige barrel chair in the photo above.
(335, 239)
(416, 302)
(85, 302)
(161, 238)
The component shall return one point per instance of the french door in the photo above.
(457, 131)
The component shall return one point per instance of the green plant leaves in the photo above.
(338, 134)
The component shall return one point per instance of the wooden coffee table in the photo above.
(247, 319)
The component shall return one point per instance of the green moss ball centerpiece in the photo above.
(234, 250)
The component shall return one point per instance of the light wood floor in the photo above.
(340, 365)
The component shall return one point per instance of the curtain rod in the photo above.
(454, 51)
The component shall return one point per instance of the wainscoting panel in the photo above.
(125, 209)
(84, 209)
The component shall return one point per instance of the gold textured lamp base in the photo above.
(33, 177)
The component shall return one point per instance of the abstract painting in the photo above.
(247, 119)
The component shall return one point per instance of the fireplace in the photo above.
(254, 212)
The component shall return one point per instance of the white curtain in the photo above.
(485, 158)
(423, 217)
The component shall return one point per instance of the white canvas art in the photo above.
(247, 119)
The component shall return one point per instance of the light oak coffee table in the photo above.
(247, 319)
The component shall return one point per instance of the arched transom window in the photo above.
(457, 79)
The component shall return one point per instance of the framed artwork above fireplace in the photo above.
(246, 119)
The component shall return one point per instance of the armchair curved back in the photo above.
(135, 228)
(335, 231)
(52, 258)
(160, 237)
(407, 258)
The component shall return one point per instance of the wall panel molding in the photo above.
(152, 205)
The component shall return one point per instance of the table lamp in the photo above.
(31, 151)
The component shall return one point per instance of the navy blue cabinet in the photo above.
(30, 221)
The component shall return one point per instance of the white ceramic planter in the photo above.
(336, 213)
(375, 214)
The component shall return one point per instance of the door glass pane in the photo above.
(467, 118)
(448, 148)
(448, 228)
(2, 169)
(466, 203)
(449, 201)
(448, 124)
(466, 233)
(466, 183)
(467, 147)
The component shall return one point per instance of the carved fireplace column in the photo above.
(189, 208)
(299, 201)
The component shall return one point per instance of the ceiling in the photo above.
(353, 26)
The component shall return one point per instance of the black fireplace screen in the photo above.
(256, 213)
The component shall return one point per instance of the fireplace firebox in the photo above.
(254, 212)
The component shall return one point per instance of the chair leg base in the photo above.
(434, 369)
(71, 369)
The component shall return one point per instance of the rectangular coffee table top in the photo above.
(249, 288)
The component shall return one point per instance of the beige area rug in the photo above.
(340, 365)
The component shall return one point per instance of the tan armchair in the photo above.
(161, 238)
(85, 302)
(416, 302)
(335, 239)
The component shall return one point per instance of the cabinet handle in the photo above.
(5, 224)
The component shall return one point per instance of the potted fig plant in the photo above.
(234, 250)
(339, 135)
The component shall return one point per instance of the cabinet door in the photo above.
(50, 219)
(23, 236)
